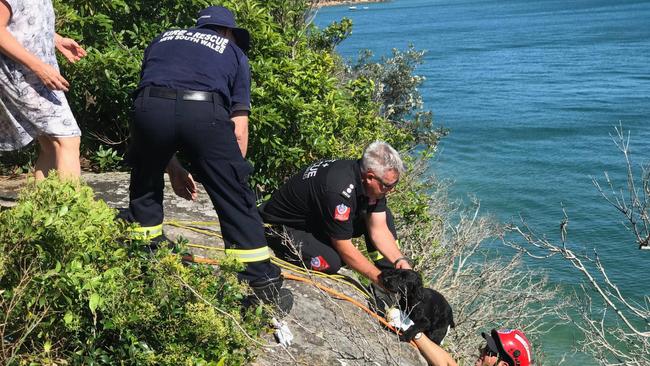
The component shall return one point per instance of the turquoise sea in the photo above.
(531, 91)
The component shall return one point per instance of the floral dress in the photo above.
(28, 108)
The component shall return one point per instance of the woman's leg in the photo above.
(59, 153)
(46, 158)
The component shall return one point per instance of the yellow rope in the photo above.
(188, 225)
(286, 266)
(329, 290)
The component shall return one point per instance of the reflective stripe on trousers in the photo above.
(146, 232)
(250, 255)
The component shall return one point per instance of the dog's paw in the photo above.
(408, 335)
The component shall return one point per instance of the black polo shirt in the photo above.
(198, 59)
(326, 197)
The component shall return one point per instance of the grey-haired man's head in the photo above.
(381, 167)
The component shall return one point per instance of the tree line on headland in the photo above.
(348, 2)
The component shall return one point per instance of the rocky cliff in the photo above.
(327, 330)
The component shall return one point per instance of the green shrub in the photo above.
(396, 91)
(106, 159)
(305, 106)
(18, 161)
(73, 289)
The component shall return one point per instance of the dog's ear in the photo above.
(390, 279)
(412, 283)
(412, 278)
(417, 292)
(386, 274)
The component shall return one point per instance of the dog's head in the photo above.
(405, 282)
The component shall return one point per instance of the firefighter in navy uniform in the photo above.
(330, 202)
(194, 96)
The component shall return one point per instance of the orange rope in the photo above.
(201, 260)
(289, 276)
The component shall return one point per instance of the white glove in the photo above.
(282, 332)
(398, 319)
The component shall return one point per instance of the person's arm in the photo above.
(384, 240)
(14, 50)
(240, 118)
(434, 354)
(356, 260)
(240, 96)
(69, 48)
(182, 182)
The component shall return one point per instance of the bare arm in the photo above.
(353, 258)
(69, 48)
(240, 118)
(181, 180)
(434, 355)
(384, 240)
(13, 49)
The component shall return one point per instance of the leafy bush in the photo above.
(115, 34)
(304, 105)
(106, 159)
(73, 289)
(307, 104)
(396, 91)
(18, 161)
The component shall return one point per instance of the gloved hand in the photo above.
(282, 332)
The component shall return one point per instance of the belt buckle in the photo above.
(196, 96)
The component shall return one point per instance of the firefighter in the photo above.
(503, 347)
(194, 97)
(330, 202)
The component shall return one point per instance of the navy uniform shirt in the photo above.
(326, 197)
(198, 59)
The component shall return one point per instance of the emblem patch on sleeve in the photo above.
(342, 212)
(319, 263)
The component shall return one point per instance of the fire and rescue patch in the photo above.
(342, 212)
(211, 41)
(319, 263)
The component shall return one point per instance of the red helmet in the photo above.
(513, 346)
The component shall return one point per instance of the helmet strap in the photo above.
(499, 359)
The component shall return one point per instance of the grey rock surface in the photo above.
(327, 331)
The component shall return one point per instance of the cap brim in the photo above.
(243, 38)
(492, 345)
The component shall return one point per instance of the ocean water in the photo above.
(531, 91)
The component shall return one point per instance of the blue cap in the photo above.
(220, 16)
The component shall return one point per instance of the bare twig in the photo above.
(622, 338)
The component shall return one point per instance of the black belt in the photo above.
(193, 95)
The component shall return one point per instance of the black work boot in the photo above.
(160, 242)
(270, 292)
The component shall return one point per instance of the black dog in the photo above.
(427, 308)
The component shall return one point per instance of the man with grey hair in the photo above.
(330, 202)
